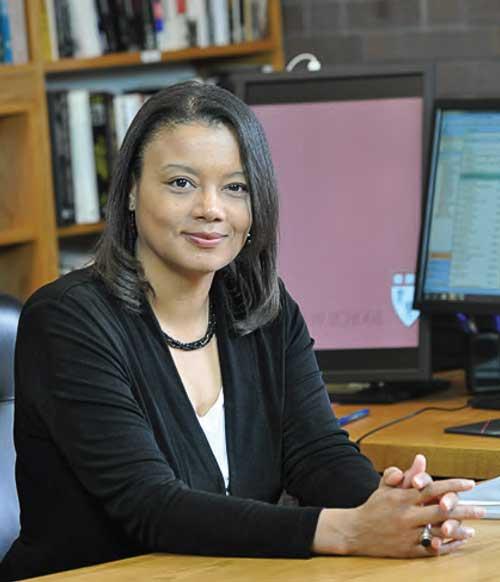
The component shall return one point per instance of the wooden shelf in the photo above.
(14, 236)
(80, 230)
(129, 59)
(8, 69)
(10, 108)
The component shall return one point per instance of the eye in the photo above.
(237, 188)
(180, 183)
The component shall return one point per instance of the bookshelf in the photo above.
(29, 237)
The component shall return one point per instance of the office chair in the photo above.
(10, 310)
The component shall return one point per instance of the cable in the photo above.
(313, 63)
(406, 417)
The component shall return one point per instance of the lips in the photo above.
(205, 240)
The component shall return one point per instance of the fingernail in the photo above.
(446, 503)
(468, 483)
(419, 482)
(469, 532)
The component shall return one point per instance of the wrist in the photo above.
(335, 532)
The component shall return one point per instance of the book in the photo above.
(63, 26)
(125, 108)
(103, 140)
(219, 19)
(261, 18)
(236, 21)
(82, 158)
(50, 15)
(108, 26)
(130, 35)
(5, 33)
(198, 23)
(17, 19)
(85, 28)
(175, 29)
(61, 157)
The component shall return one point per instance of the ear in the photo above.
(132, 198)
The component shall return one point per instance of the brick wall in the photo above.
(461, 36)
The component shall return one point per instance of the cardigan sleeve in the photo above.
(83, 394)
(322, 467)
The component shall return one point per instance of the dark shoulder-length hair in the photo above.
(250, 283)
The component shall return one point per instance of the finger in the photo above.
(392, 477)
(453, 529)
(421, 480)
(449, 501)
(433, 514)
(446, 548)
(437, 489)
(418, 466)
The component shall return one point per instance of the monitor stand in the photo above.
(487, 401)
(387, 392)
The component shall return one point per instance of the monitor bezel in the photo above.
(446, 306)
(364, 365)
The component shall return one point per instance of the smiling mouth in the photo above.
(205, 240)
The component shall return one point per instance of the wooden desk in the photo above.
(478, 561)
(448, 455)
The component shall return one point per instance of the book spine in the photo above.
(85, 28)
(99, 118)
(198, 23)
(248, 20)
(82, 157)
(61, 157)
(107, 28)
(5, 32)
(121, 24)
(236, 29)
(263, 18)
(148, 23)
(219, 15)
(159, 24)
(64, 32)
(180, 24)
(50, 15)
(17, 19)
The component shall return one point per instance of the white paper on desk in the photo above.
(485, 494)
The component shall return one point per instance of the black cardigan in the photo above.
(112, 461)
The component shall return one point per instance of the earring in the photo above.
(249, 239)
(131, 201)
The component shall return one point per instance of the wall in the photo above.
(461, 36)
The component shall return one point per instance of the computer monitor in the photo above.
(459, 263)
(348, 148)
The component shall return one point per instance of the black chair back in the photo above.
(10, 310)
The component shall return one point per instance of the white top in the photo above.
(213, 424)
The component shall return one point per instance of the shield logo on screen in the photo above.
(402, 292)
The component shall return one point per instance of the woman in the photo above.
(169, 393)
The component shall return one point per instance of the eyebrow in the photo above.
(191, 170)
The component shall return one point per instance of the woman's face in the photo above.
(193, 209)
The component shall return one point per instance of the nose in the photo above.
(209, 205)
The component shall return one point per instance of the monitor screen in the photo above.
(347, 147)
(459, 266)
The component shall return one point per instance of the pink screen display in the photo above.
(350, 178)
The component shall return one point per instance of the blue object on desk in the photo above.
(343, 420)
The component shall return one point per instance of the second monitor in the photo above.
(348, 147)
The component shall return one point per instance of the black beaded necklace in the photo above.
(199, 343)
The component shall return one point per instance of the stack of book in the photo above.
(13, 43)
(86, 129)
(89, 28)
